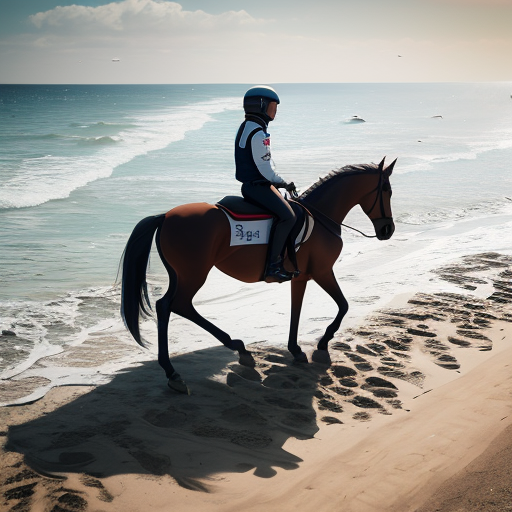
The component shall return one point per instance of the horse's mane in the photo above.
(336, 174)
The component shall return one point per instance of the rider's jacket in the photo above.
(253, 158)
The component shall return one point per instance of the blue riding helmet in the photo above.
(257, 98)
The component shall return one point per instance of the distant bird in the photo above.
(115, 59)
(437, 117)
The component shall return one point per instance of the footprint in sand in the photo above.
(243, 414)
(103, 495)
(245, 438)
(171, 418)
(365, 402)
(70, 501)
(154, 463)
(330, 420)
(343, 371)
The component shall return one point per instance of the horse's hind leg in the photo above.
(163, 312)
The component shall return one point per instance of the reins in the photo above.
(331, 225)
(335, 228)
(360, 232)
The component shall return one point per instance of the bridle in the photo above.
(383, 221)
(335, 228)
(380, 188)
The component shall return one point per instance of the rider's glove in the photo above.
(290, 187)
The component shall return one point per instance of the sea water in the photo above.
(81, 165)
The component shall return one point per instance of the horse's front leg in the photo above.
(328, 283)
(298, 287)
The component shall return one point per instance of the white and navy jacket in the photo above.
(253, 157)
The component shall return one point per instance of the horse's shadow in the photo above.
(236, 419)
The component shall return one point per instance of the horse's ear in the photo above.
(381, 165)
(389, 168)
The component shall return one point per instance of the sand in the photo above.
(414, 414)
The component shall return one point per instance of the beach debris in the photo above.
(356, 119)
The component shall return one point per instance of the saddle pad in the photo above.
(254, 232)
(249, 232)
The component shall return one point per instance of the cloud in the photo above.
(140, 17)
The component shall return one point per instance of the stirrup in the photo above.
(276, 273)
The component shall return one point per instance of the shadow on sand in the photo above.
(235, 420)
(238, 419)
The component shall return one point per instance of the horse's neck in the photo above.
(343, 194)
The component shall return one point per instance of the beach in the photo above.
(414, 414)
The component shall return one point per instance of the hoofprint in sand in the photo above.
(412, 396)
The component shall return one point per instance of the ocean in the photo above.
(81, 165)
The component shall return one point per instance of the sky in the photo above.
(254, 41)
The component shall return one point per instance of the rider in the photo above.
(255, 169)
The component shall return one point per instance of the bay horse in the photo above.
(192, 238)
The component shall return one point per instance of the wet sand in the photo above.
(414, 414)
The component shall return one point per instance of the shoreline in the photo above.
(416, 397)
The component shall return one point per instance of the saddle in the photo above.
(251, 224)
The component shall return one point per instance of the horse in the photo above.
(193, 238)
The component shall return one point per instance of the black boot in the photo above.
(276, 273)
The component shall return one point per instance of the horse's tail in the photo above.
(134, 291)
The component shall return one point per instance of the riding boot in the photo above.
(276, 273)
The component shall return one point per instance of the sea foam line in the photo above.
(39, 180)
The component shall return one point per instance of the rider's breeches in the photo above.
(266, 196)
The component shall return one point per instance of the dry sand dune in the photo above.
(400, 421)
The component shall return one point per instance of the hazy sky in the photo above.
(242, 41)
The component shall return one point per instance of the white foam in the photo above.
(42, 179)
(371, 273)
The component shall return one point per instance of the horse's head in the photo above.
(377, 203)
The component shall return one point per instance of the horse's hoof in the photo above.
(246, 359)
(300, 358)
(176, 383)
(322, 357)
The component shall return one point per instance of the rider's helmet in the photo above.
(257, 98)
